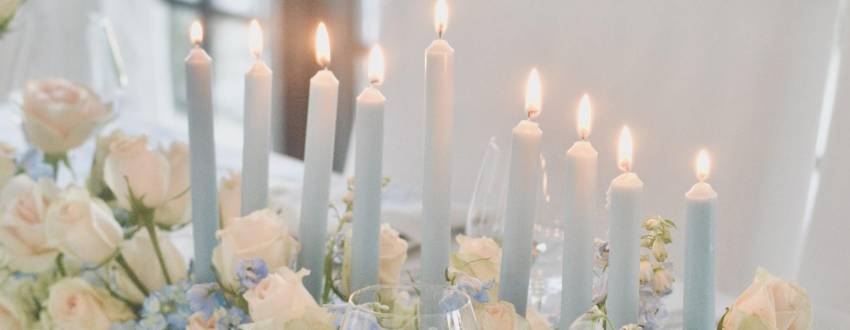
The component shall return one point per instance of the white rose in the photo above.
(7, 163)
(95, 182)
(260, 234)
(230, 198)
(393, 254)
(147, 171)
(139, 253)
(537, 321)
(11, 317)
(83, 227)
(499, 316)
(73, 304)
(480, 257)
(770, 303)
(198, 322)
(280, 301)
(24, 204)
(60, 115)
(176, 209)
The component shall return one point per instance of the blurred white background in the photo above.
(763, 84)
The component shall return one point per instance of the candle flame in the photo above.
(533, 94)
(196, 33)
(441, 17)
(625, 150)
(376, 66)
(255, 38)
(703, 165)
(584, 118)
(323, 45)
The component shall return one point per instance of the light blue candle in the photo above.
(523, 187)
(699, 251)
(369, 139)
(318, 164)
(437, 160)
(255, 147)
(624, 258)
(202, 156)
(577, 282)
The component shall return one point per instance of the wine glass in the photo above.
(409, 307)
(486, 208)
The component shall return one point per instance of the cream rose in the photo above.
(770, 303)
(280, 301)
(479, 257)
(230, 198)
(73, 304)
(60, 115)
(176, 209)
(139, 253)
(260, 234)
(392, 255)
(500, 316)
(198, 322)
(83, 227)
(95, 182)
(11, 317)
(7, 163)
(24, 204)
(537, 321)
(148, 172)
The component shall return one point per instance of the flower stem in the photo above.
(132, 275)
(60, 266)
(149, 225)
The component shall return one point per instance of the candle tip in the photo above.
(584, 117)
(323, 46)
(533, 94)
(255, 38)
(376, 66)
(703, 165)
(441, 17)
(196, 33)
(625, 150)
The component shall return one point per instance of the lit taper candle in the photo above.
(437, 164)
(624, 259)
(255, 147)
(369, 139)
(318, 161)
(202, 156)
(699, 250)
(523, 188)
(576, 295)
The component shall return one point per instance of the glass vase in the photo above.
(409, 307)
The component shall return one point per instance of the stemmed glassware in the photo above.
(409, 307)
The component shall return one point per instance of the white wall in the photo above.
(744, 79)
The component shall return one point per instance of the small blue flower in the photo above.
(232, 319)
(204, 298)
(251, 271)
(474, 288)
(166, 309)
(152, 322)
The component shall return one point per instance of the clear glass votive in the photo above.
(408, 307)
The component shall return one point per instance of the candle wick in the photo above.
(440, 34)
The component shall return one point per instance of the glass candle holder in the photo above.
(403, 307)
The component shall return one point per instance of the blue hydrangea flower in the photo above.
(205, 298)
(167, 308)
(251, 271)
(232, 319)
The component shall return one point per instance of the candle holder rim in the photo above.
(407, 287)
